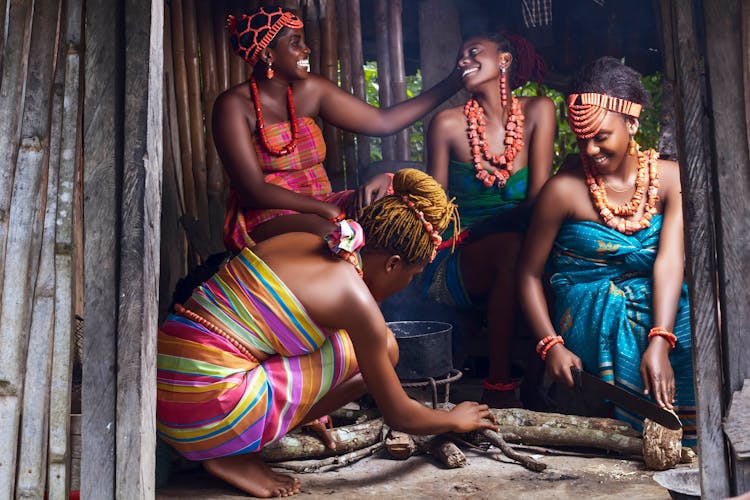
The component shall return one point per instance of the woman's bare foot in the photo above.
(320, 428)
(250, 474)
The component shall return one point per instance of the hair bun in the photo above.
(427, 195)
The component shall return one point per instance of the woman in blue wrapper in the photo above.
(611, 232)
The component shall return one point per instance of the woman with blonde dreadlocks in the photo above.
(290, 330)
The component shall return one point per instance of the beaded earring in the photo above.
(633, 148)
(269, 70)
(503, 88)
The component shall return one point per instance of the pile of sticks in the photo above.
(517, 429)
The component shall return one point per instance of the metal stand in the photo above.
(446, 380)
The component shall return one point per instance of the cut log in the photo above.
(662, 447)
(447, 452)
(349, 438)
(400, 445)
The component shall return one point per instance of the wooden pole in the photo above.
(32, 459)
(25, 221)
(12, 83)
(731, 168)
(358, 77)
(3, 8)
(182, 106)
(385, 90)
(329, 69)
(102, 181)
(312, 33)
(197, 134)
(398, 72)
(697, 202)
(221, 43)
(66, 284)
(439, 40)
(140, 213)
(238, 70)
(345, 63)
(215, 173)
(172, 123)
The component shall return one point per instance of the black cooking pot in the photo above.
(424, 349)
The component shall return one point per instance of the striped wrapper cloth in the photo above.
(602, 280)
(301, 171)
(213, 400)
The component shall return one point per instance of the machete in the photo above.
(589, 384)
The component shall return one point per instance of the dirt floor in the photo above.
(484, 477)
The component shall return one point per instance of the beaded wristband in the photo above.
(546, 340)
(661, 332)
(552, 343)
(341, 216)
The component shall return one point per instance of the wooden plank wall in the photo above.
(713, 118)
(693, 146)
(122, 191)
(102, 136)
(37, 203)
(731, 175)
(139, 240)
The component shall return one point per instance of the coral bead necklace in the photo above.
(477, 132)
(260, 124)
(647, 182)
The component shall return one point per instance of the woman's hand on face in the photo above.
(657, 373)
(371, 191)
(559, 360)
(471, 416)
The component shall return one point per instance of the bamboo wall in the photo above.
(199, 64)
(40, 241)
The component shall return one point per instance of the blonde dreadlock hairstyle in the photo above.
(390, 224)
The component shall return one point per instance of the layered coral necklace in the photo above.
(646, 182)
(476, 130)
(260, 124)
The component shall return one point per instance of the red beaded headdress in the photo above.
(586, 111)
(252, 32)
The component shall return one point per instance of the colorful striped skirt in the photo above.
(214, 398)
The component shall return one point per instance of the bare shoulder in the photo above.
(565, 185)
(669, 178)
(234, 100)
(448, 120)
(538, 107)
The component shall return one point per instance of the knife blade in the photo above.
(589, 384)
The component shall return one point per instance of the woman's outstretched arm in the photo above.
(350, 113)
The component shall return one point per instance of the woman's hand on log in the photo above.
(559, 360)
(657, 373)
(471, 416)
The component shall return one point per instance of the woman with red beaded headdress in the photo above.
(494, 155)
(611, 233)
(268, 140)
